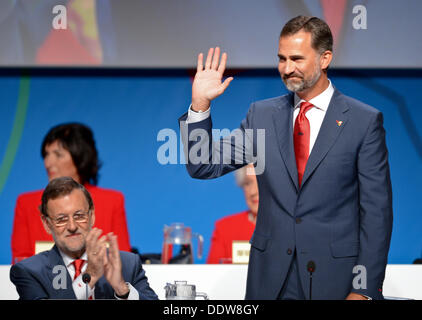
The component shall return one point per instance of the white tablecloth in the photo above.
(228, 282)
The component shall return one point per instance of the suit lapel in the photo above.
(283, 123)
(55, 259)
(334, 122)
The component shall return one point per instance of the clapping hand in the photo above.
(113, 267)
(96, 249)
(104, 260)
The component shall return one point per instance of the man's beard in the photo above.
(302, 84)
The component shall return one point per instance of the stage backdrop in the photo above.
(164, 33)
(128, 109)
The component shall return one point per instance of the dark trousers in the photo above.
(292, 289)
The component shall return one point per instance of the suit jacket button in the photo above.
(298, 220)
(289, 251)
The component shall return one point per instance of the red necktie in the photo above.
(302, 133)
(78, 263)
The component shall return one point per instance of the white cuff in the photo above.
(133, 293)
(194, 116)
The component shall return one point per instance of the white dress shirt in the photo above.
(79, 287)
(315, 115)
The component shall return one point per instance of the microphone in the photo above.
(86, 278)
(311, 266)
(311, 269)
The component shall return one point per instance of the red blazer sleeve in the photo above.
(110, 214)
(120, 224)
(21, 243)
(228, 229)
(218, 247)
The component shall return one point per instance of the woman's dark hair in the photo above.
(78, 139)
(322, 39)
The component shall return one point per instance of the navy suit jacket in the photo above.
(33, 278)
(341, 216)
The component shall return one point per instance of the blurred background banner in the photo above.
(166, 34)
(124, 68)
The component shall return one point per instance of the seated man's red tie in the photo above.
(78, 263)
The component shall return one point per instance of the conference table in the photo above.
(228, 281)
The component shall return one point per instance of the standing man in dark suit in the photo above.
(325, 191)
(68, 213)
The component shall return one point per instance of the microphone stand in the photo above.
(86, 278)
(311, 269)
(310, 286)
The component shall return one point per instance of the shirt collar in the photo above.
(321, 101)
(68, 260)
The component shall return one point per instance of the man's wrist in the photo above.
(122, 291)
(194, 116)
(200, 106)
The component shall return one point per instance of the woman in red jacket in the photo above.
(68, 150)
(236, 227)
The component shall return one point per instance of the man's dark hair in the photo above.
(61, 187)
(78, 139)
(322, 39)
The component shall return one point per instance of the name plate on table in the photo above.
(240, 252)
(41, 246)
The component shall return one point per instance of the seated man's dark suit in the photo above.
(33, 278)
